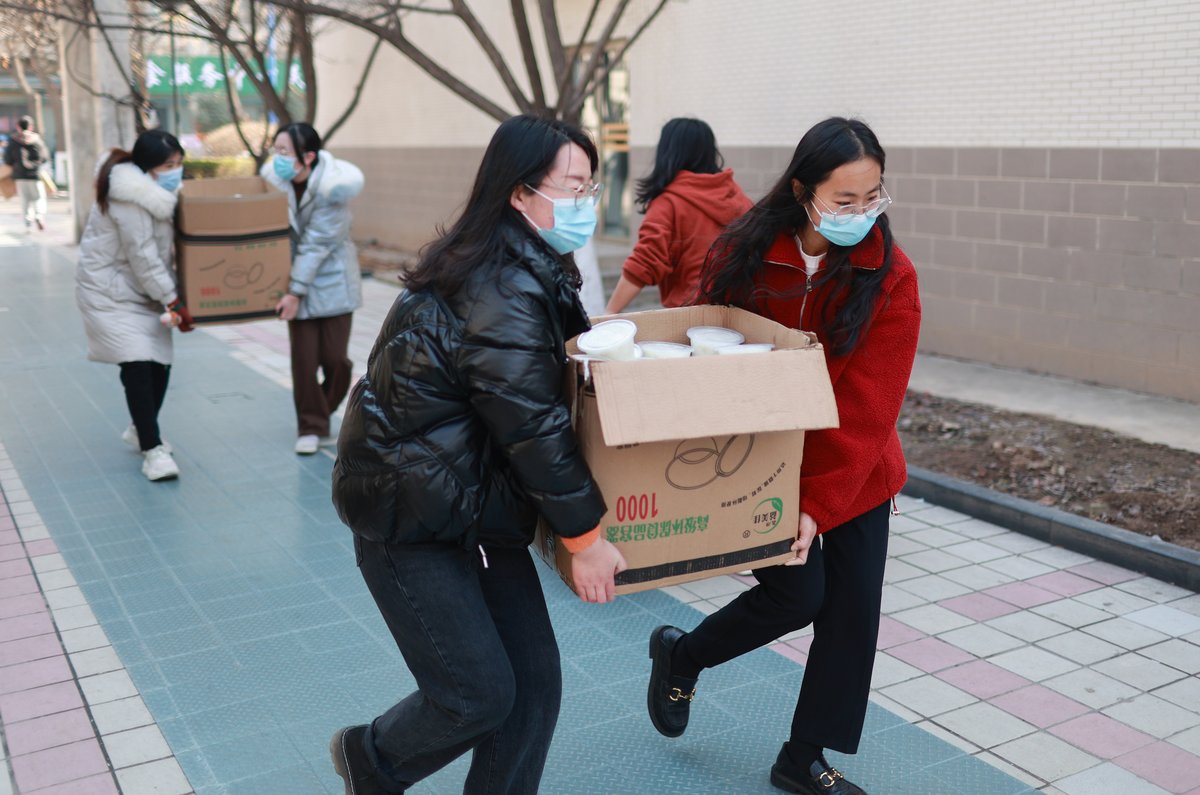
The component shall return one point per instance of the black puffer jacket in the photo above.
(459, 431)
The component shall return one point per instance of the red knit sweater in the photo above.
(849, 470)
(680, 225)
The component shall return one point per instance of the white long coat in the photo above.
(125, 275)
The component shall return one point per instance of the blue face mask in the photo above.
(573, 223)
(285, 167)
(848, 230)
(170, 180)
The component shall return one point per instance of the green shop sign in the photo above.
(202, 74)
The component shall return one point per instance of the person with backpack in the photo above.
(27, 154)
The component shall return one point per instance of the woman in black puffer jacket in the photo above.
(454, 442)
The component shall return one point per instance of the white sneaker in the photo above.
(307, 444)
(130, 437)
(159, 465)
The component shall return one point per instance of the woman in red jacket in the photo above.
(688, 200)
(817, 254)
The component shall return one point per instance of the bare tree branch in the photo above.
(521, 20)
(362, 81)
(490, 50)
(570, 104)
(235, 109)
(558, 57)
(598, 79)
(564, 79)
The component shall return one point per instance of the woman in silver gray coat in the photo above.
(125, 279)
(325, 286)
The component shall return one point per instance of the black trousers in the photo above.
(145, 388)
(838, 591)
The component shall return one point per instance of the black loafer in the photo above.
(820, 778)
(668, 698)
(350, 761)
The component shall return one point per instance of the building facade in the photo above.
(1044, 157)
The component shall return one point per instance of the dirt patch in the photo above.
(1147, 488)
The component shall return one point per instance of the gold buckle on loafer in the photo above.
(678, 695)
(829, 777)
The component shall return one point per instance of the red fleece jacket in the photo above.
(680, 225)
(849, 470)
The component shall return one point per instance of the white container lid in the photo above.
(665, 350)
(714, 336)
(749, 347)
(606, 336)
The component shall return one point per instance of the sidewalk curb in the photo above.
(1159, 559)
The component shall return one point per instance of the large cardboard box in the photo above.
(698, 458)
(232, 248)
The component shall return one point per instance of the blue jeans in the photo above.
(480, 645)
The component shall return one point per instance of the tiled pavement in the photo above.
(210, 633)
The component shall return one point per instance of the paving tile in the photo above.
(25, 626)
(933, 587)
(1188, 740)
(1057, 557)
(1017, 544)
(984, 725)
(981, 640)
(1166, 619)
(936, 537)
(21, 605)
(1153, 715)
(38, 647)
(977, 528)
(1115, 601)
(888, 671)
(100, 784)
(1064, 583)
(1080, 647)
(1184, 693)
(1153, 590)
(893, 633)
(715, 586)
(978, 606)
(74, 617)
(28, 675)
(930, 654)
(125, 713)
(1190, 604)
(1039, 705)
(58, 765)
(1165, 765)
(982, 679)
(163, 777)
(107, 687)
(935, 514)
(1140, 672)
(1048, 758)
(53, 580)
(18, 586)
(1125, 633)
(1034, 664)
(928, 696)
(1072, 613)
(1176, 653)
(1104, 573)
(135, 746)
(1022, 594)
(903, 545)
(65, 597)
(1106, 778)
(895, 600)
(96, 661)
(1091, 687)
(48, 731)
(1027, 626)
(977, 578)
(84, 638)
(896, 570)
(934, 561)
(1100, 735)
(931, 619)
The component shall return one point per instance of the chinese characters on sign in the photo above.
(203, 74)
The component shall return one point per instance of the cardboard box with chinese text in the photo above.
(698, 458)
(232, 249)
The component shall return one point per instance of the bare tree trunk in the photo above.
(33, 98)
(54, 95)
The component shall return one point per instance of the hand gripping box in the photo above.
(698, 458)
(232, 249)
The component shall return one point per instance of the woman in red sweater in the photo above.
(817, 254)
(688, 200)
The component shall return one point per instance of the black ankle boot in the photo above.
(349, 753)
(819, 779)
(669, 697)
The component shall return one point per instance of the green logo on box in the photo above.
(767, 515)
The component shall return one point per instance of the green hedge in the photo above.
(209, 167)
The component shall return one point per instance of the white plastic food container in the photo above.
(746, 347)
(665, 350)
(706, 340)
(612, 339)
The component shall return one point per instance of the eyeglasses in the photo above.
(872, 209)
(587, 193)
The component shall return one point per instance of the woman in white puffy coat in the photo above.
(325, 286)
(125, 280)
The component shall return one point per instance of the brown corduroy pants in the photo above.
(319, 343)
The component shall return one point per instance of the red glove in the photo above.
(186, 323)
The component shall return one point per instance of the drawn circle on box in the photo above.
(689, 469)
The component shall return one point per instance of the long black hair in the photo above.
(735, 260)
(522, 151)
(304, 139)
(151, 149)
(683, 145)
